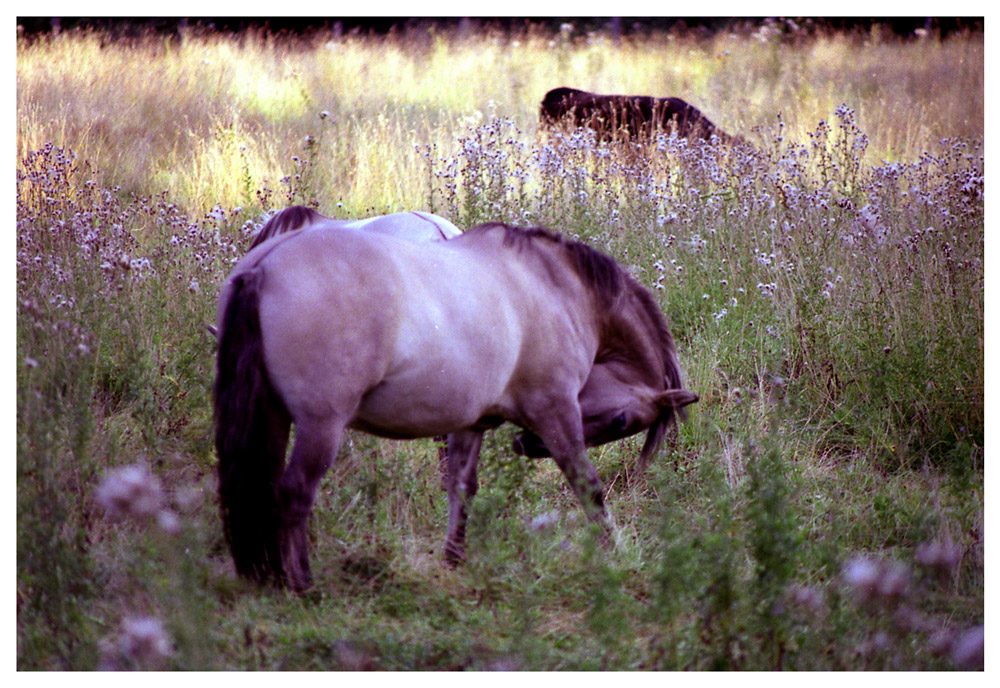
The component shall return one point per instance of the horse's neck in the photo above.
(629, 337)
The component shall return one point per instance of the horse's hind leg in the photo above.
(463, 457)
(315, 448)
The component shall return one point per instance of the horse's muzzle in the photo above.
(530, 445)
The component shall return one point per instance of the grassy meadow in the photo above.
(822, 508)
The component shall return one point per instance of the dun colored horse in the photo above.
(635, 116)
(330, 329)
(423, 226)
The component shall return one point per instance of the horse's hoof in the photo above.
(299, 586)
(453, 558)
(297, 579)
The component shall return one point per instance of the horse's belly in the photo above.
(410, 408)
(453, 361)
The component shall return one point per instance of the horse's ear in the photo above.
(676, 398)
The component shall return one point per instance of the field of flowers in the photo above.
(821, 509)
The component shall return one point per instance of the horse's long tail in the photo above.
(251, 433)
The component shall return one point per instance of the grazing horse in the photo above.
(605, 392)
(330, 329)
(414, 225)
(635, 115)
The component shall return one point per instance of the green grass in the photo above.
(824, 285)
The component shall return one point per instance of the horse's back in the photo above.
(435, 284)
(413, 225)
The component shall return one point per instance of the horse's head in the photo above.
(635, 381)
(615, 405)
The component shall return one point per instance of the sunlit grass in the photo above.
(907, 95)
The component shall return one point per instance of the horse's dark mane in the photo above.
(608, 280)
(596, 269)
(659, 323)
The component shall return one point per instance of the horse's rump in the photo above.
(414, 225)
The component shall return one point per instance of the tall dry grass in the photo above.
(221, 114)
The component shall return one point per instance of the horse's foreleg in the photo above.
(463, 457)
(315, 448)
(563, 435)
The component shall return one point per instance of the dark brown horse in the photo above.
(330, 329)
(631, 116)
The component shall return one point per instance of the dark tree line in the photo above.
(129, 27)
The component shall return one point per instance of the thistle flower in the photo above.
(862, 574)
(939, 556)
(143, 643)
(168, 521)
(807, 596)
(130, 491)
(145, 638)
(544, 521)
(968, 651)
(894, 581)
(941, 641)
